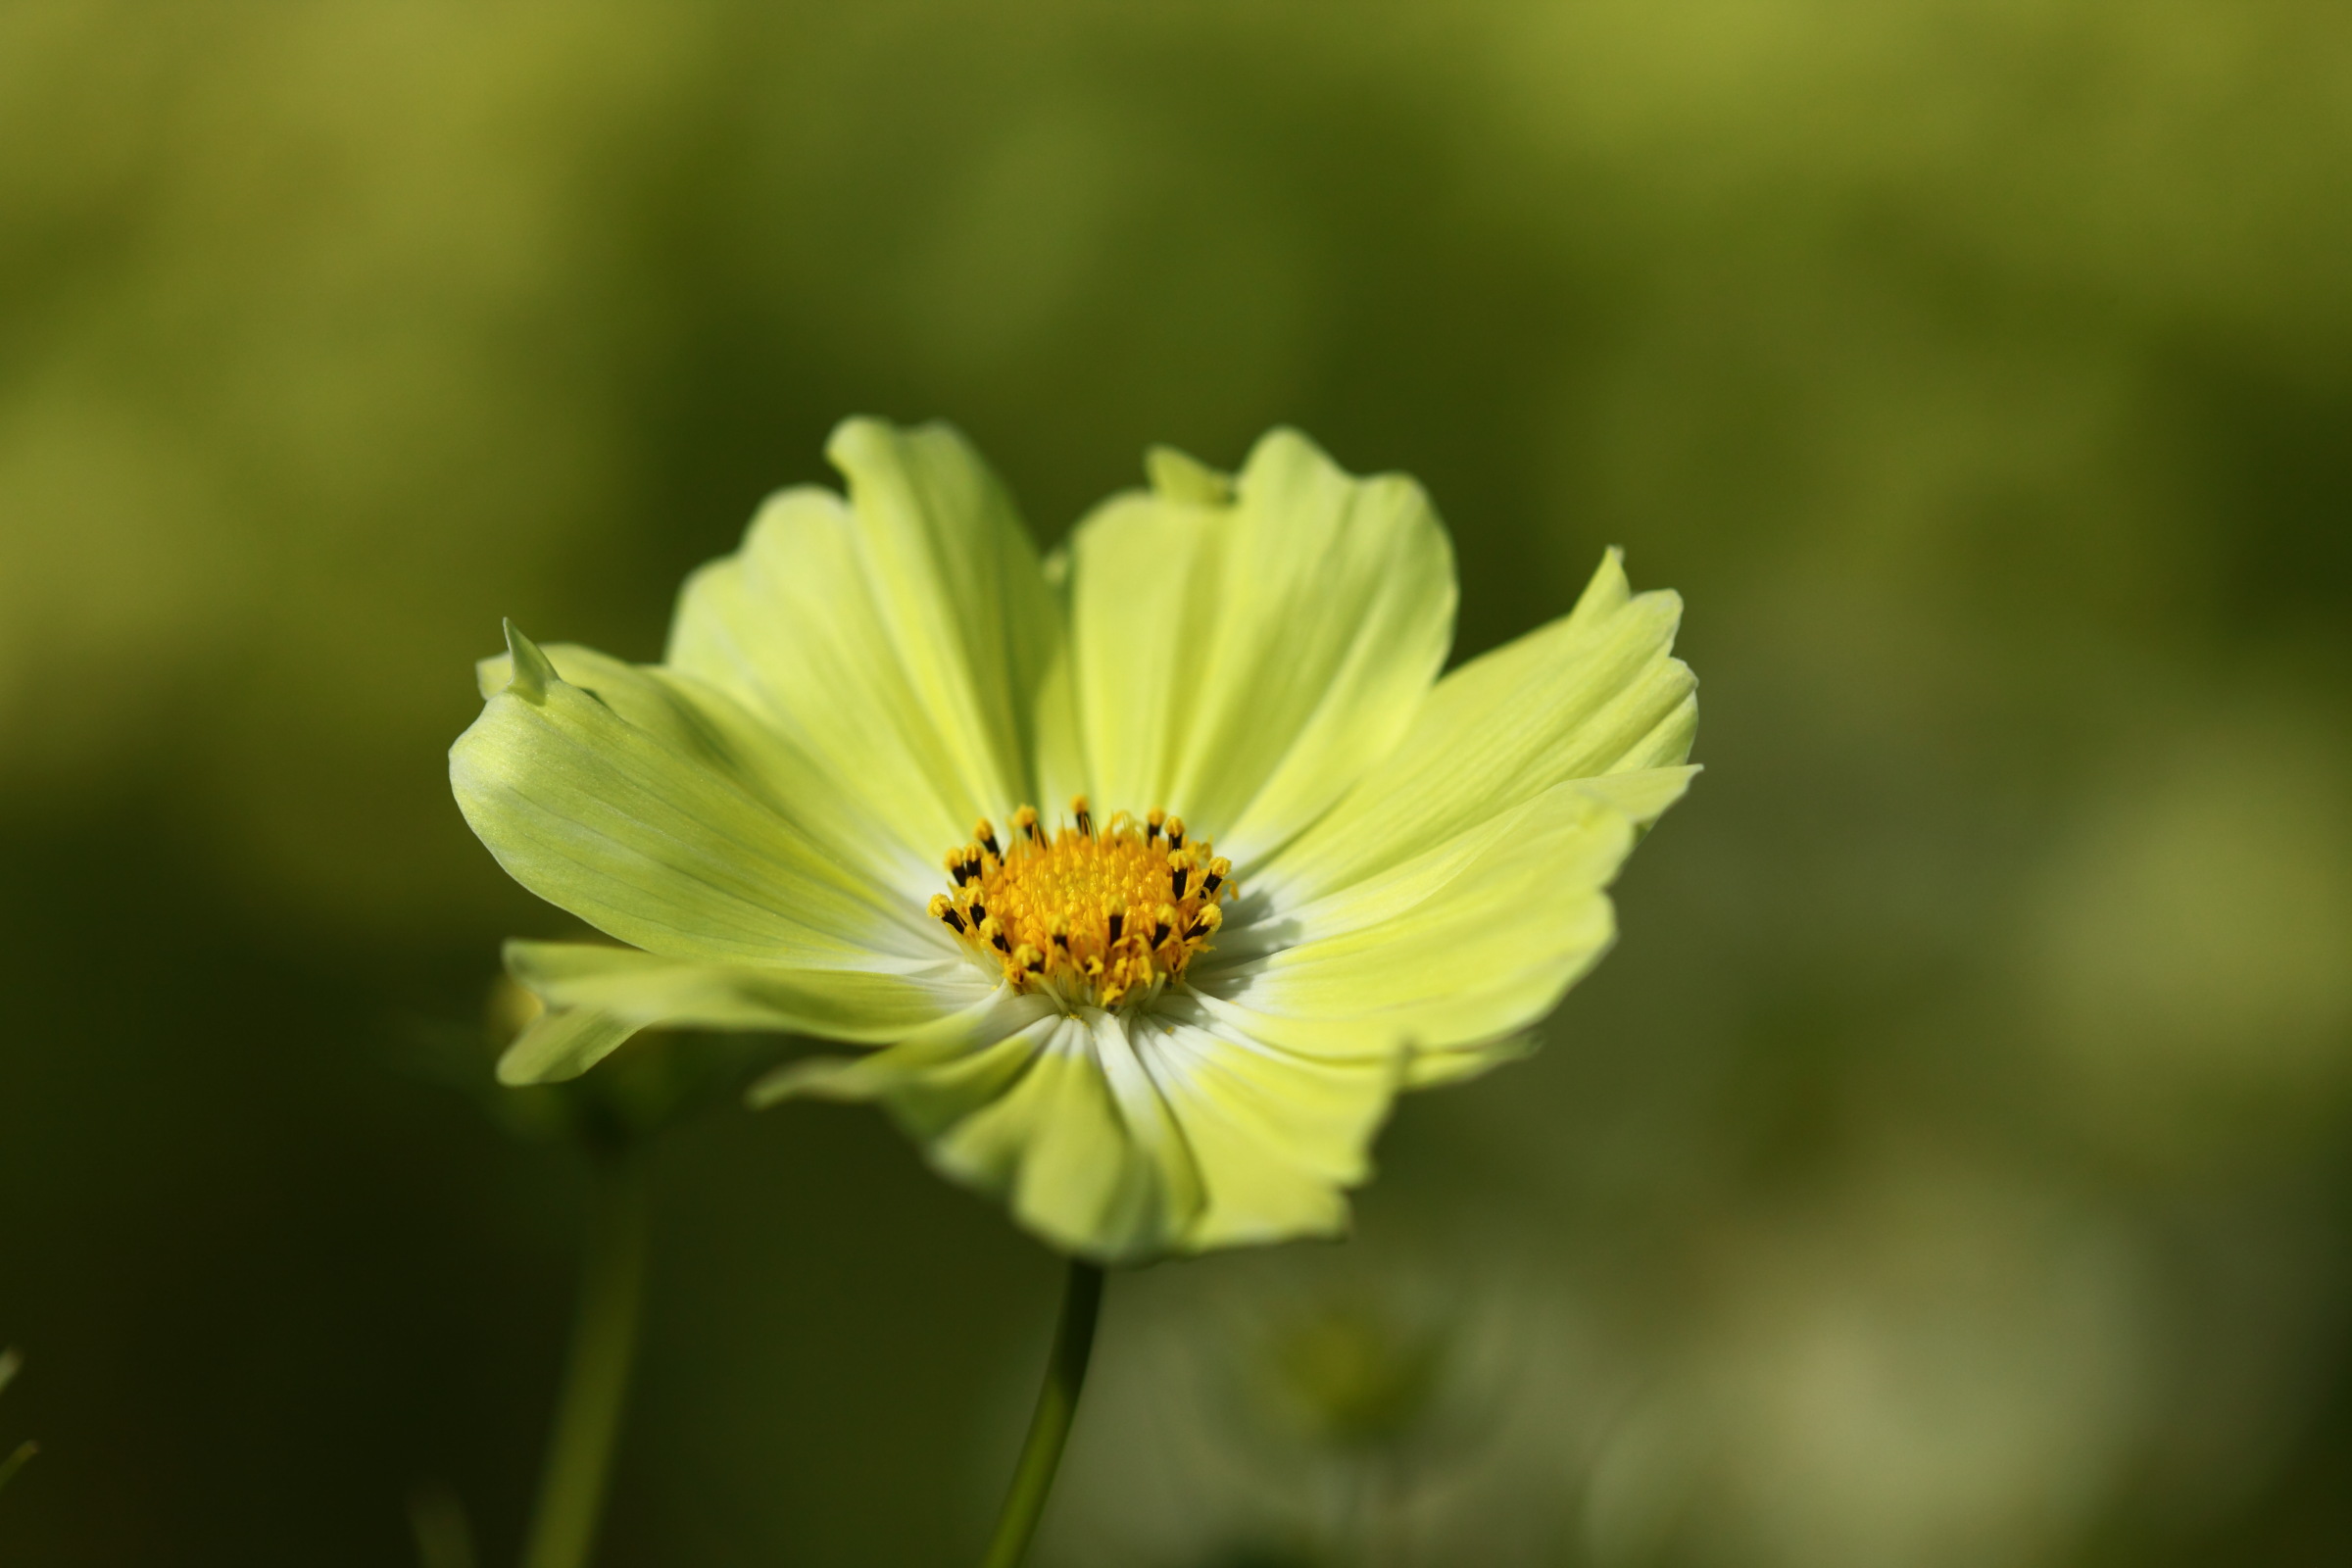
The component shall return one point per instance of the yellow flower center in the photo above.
(1095, 915)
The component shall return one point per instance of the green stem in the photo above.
(1050, 1426)
(596, 1374)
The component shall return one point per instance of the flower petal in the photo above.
(1059, 1120)
(643, 989)
(899, 636)
(1454, 950)
(928, 1081)
(1123, 1138)
(661, 843)
(1082, 1147)
(561, 1042)
(1242, 655)
(1594, 693)
(1277, 1136)
(697, 719)
(1458, 1064)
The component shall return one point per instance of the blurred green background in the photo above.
(1952, 1168)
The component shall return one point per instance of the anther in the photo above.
(1178, 871)
(943, 907)
(1118, 922)
(978, 913)
(1163, 921)
(1206, 922)
(956, 867)
(1029, 960)
(1024, 822)
(995, 933)
(1151, 825)
(985, 832)
(1219, 870)
(1062, 933)
(1085, 818)
(1175, 832)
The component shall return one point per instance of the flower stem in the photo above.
(595, 1373)
(1050, 1426)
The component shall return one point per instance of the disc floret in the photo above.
(1094, 914)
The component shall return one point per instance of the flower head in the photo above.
(1155, 870)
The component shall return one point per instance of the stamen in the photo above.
(1052, 910)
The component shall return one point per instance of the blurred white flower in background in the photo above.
(1389, 1402)
(1936, 1368)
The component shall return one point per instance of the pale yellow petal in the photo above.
(1063, 1149)
(1054, 1116)
(928, 1083)
(1243, 652)
(699, 720)
(1459, 1064)
(1127, 1138)
(1457, 947)
(643, 989)
(560, 1044)
(898, 637)
(1595, 693)
(960, 588)
(660, 845)
(1278, 1137)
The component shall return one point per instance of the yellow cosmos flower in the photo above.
(1155, 869)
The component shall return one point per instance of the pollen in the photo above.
(1095, 913)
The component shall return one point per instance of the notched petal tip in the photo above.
(1179, 476)
(864, 446)
(1286, 455)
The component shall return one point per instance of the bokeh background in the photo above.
(1952, 1165)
